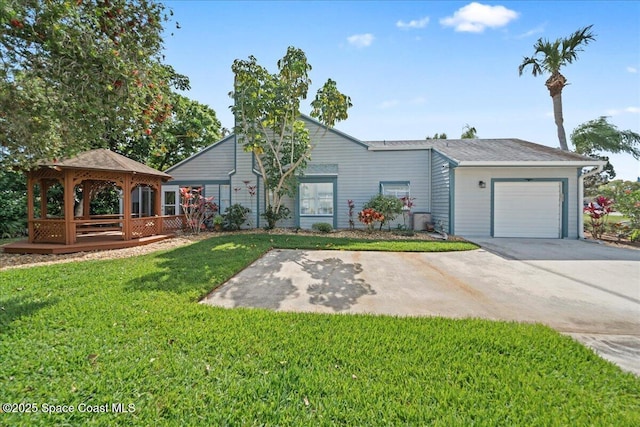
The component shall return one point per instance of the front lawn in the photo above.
(91, 334)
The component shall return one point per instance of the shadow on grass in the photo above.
(17, 307)
(201, 266)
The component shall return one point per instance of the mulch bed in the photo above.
(611, 239)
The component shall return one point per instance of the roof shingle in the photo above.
(106, 160)
(486, 150)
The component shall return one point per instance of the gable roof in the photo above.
(201, 152)
(105, 160)
(484, 152)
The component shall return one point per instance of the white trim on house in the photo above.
(531, 163)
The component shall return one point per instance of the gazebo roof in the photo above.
(106, 160)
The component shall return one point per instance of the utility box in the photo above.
(422, 221)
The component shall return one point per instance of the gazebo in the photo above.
(75, 228)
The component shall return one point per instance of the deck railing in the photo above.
(53, 230)
(47, 231)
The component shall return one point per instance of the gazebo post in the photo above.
(69, 201)
(157, 209)
(30, 206)
(87, 187)
(126, 223)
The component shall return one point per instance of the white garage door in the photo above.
(527, 209)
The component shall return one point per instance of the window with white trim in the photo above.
(395, 189)
(316, 198)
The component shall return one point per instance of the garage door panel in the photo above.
(527, 209)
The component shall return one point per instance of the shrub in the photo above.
(13, 214)
(626, 195)
(273, 217)
(234, 216)
(369, 217)
(389, 206)
(197, 208)
(598, 211)
(322, 227)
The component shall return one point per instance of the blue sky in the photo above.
(416, 68)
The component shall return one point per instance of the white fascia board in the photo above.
(532, 163)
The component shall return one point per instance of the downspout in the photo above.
(597, 170)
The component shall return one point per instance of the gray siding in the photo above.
(360, 172)
(440, 184)
(239, 193)
(213, 163)
(473, 204)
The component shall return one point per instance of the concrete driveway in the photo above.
(589, 291)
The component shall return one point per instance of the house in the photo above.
(479, 187)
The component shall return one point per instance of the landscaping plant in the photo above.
(197, 209)
(322, 227)
(369, 217)
(388, 206)
(351, 206)
(234, 216)
(598, 211)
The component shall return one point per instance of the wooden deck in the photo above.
(85, 243)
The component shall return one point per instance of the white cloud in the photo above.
(617, 112)
(361, 40)
(414, 23)
(632, 70)
(532, 32)
(475, 17)
(388, 104)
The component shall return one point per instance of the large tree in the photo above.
(267, 114)
(189, 127)
(595, 137)
(79, 74)
(549, 57)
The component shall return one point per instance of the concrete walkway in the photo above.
(595, 301)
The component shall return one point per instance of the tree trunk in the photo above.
(555, 83)
(557, 115)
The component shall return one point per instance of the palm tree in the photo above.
(549, 57)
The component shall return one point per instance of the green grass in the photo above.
(611, 219)
(130, 331)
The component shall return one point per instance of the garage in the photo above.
(528, 208)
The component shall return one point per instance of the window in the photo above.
(396, 189)
(170, 202)
(223, 201)
(316, 198)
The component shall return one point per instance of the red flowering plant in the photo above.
(252, 190)
(196, 208)
(407, 204)
(351, 206)
(598, 211)
(369, 217)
